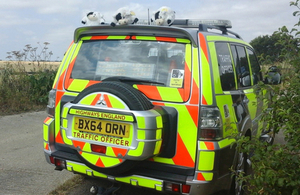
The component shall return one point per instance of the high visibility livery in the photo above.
(156, 106)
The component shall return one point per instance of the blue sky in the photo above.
(30, 21)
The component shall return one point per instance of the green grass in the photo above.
(68, 185)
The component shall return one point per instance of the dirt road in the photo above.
(23, 168)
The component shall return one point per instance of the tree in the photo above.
(269, 48)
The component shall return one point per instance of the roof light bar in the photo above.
(194, 23)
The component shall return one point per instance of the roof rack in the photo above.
(194, 23)
(201, 24)
(204, 25)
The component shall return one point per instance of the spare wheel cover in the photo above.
(134, 100)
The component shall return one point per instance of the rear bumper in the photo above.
(144, 177)
(156, 176)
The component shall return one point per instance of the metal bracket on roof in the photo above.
(204, 27)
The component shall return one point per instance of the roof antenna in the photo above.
(148, 17)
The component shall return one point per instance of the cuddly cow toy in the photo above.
(93, 19)
(124, 17)
(164, 16)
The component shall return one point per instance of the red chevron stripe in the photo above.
(193, 110)
(203, 45)
(98, 37)
(99, 163)
(96, 99)
(182, 157)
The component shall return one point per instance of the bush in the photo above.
(24, 85)
(276, 168)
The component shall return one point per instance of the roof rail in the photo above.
(194, 23)
(204, 25)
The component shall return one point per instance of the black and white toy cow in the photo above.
(124, 17)
(164, 16)
(93, 19)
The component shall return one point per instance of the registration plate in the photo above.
(102, 127)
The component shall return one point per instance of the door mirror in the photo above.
(273, 77)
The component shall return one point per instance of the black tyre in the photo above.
(134, 99)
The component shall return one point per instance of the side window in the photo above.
(256, 72)
(225, 66)
(241, 66)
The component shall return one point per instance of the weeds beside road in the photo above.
(21, 91)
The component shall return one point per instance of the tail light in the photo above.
(51, 102)
(210, 124)
(176, 187)
(98, 149)
(59, 164)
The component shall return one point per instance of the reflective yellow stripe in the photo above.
(252, 105)
(92, 158)
(157, 147)
(229, 123)
(107, 161)
(206, 79)
(195, 67)
(65, 138)
(116, 37)
(138, 151)
(202, 146)
(208, 176)
(145, 38)
(45, 144)
(64, 63)
(78, 85)
(64, 123)
(88, 99)
(150, 38)
(223, 38)
(110, 151)
(141, 134)
(103, 115)
(87, 147)
(142, 181)
(188, 56)
(141, 122)
(65, 113)
(159, 122)
(186, 122)
(225, 142)
(164, 160)
(158, 143)
(170, 94)
(80, 168)
(108, 37)
(179, 40)
(206, 161)
(158, 134)
(57, 118)
(46, 132)
(116, 102)
(46, 128)
(110, 161)
(214, 62)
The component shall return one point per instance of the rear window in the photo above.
(152, 62)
